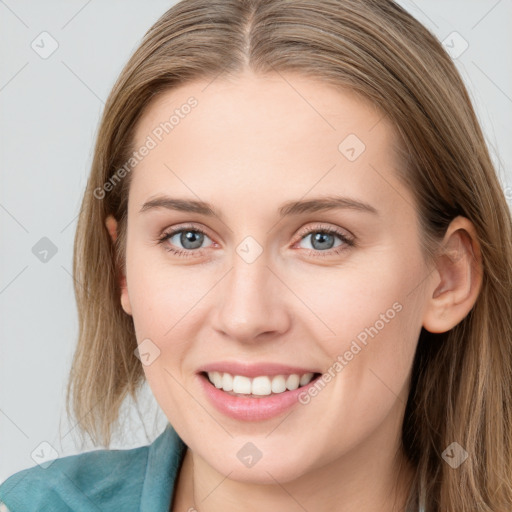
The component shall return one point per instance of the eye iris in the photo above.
(194, 237)
(321, 237)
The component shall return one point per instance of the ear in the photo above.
(459, 267)
(111, 225)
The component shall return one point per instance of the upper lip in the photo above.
(254, 369)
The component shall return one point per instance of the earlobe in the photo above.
(111, 225)
(125, 300)
(459, 269)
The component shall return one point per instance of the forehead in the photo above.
(253, 133)
(264, 102)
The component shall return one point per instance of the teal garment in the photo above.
(138, 479)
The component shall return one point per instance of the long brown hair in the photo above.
(461, 380)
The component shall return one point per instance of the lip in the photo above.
(255, 369)
(252, 409)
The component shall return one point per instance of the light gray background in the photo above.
(50, 110)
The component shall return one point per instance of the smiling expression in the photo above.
(269, 226)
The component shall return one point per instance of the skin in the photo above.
(252, 143)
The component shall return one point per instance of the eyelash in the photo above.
(347, 242)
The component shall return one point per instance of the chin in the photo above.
(265, 473)
(266, 465)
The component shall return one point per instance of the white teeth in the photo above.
(279, 384)
(241, 384)
(292, 382)
(227, 382)
(261, 386)
(305, 379)
(216, 377)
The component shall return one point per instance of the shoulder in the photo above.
(97, 480)
(71, 482)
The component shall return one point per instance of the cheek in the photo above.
(371, 320)
(355, 301)
(373, 324)
(162, 295)
(165, 314)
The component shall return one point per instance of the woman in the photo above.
(294, 232)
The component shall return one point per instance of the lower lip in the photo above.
(252, 409)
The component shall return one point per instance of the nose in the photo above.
(253, 302)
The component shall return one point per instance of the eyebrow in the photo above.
(295, 207)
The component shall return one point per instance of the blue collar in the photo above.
(132, 480)
(164, 460)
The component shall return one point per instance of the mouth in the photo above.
(265, 391)
(262, 386)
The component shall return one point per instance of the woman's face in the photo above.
(311, 261)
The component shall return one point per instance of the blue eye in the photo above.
(191, 238)
(322, 240)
